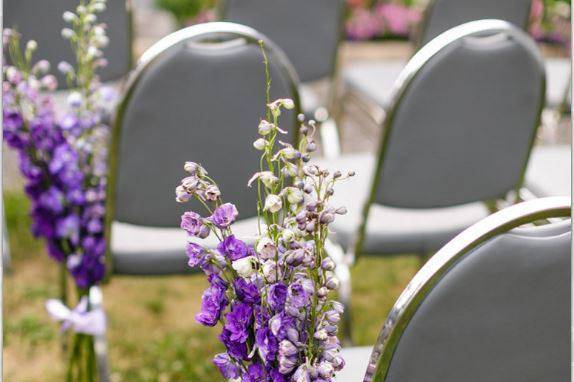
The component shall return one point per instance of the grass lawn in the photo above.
(152, 332)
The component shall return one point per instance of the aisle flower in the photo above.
(272, 296)
(62, 156)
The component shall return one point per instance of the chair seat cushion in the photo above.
(393, 231)
(140, 250)
(356, 362)
(375, 80)
(549, 171)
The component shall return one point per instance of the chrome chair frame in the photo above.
(402, 85)
(400, 88)
(328, 116)
(423, 26)
(430, 274)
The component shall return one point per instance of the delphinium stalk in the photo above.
(271, 298)
(62, 156)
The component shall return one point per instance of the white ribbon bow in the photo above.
(80, 320)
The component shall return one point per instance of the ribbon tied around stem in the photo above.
(79, 319)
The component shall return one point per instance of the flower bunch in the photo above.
(271, 296)
(382, 19)
(62, 153)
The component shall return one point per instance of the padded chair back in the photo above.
(492, 305)
(197, 95)
(465, 113)
(308, 31)
(41, 20)
(441, 15)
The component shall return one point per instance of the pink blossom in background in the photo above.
(536, 16)
(363, 25)
(396, 19)
(204, 16)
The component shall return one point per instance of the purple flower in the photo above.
(226, 366)
(297, 296)
(195, 253)
(224, 215)
(277, 296)
(233, 248)
(246, 291)
(52, 200)
(267, 344)
(236, 349)
(213, 302)
(238, 322)
(69, 228)
(192, 223)
(284, 326)
(255, 373)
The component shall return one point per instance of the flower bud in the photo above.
(326, 218)
(322, 292)
(328, 264)
(325, 370)
(294, 195)
(288, 104)
(181, 195)
(269, 269)
(337, 174)
(273, 203)
(69, 16)
(337, 307)
(32, 45)
(75, 100)
(332, 283)
(287, 349)
(310, 227)
(311, 146)
(41, 67)
(260, 144)
(212, 192)
(266, 248)
(65, 68)
(332, 316)
(265, 127)
(190, 184)
(67, 33)
(287, 235)
(286, 364)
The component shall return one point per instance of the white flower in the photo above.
(260, 144)
(294, 195)
(267, 177)
(91, 18)
(99, 7)
(287, 235)
(32, 45)
(68, 16)
(65, 68)
(245, 267)
(67, 33)
(270, 271)
(266, 248)
(265, 127)
(41, 67)
(75, 99)
(273, 203)
(212, 192)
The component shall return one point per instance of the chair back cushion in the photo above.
(41, 20)
(201, 102)
(307, 30)
(442, 15)
(462, 128)
(501, 313)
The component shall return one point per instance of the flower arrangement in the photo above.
(271, 298)
(62, 156)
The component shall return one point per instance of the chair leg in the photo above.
(343, 261)
(100, 341)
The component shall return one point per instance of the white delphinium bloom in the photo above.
(273, 203)
(245, 267)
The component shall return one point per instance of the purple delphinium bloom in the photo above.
(246, 291)
(69, 228)
(224, 215)
(267, 344)
(226, 366)
(52, 200)
(213, 302)
(255, 373)
(233, 248)
(277, 296)
(297, 296)
(193, 224)
(238, 321)
(195, 253)
(236, 349)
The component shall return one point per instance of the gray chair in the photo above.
(368, 84)
(455, 142)
(198, 94)
(491, 305)
(309, 32)
(42, 21)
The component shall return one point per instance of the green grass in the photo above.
(152, 333)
